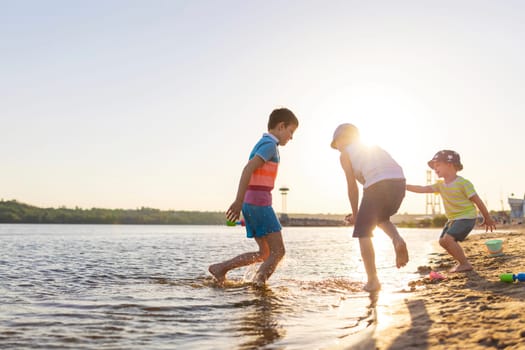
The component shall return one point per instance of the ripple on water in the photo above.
(115, 287)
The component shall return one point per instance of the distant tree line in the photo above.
(436, 221)
(501, 217)
(15, 212)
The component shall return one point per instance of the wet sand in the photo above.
(471, 310)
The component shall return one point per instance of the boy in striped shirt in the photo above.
(254, 199)
(460, 201)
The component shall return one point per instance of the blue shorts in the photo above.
(260, 220)
(380, 201)
(458, 229)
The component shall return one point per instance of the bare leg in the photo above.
(454, 249)
(276, 246)
(220, 270)
(398, 241)
(369, 259)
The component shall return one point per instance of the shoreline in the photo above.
(471, 310)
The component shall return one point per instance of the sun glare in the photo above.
(381, 244)
(383, 113)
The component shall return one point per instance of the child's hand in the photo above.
(349, 219)
(234, 211)
(489, 224)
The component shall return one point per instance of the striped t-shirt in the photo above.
(263, 179)
(456, 198)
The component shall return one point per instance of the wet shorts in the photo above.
(260, 220)
(380, 201)
(459, 229)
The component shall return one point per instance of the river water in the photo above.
(147, 287)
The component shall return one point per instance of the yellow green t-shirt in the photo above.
(456, 198)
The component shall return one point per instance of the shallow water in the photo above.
(145, 287)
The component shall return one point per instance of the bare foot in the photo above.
(217, 273)
(258, 280)
(372, 286)
(461, 268)
(401, 253)
(259, 284)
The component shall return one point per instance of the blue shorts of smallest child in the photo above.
(458, 229)
(260, 220)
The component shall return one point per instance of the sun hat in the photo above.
(344, 129)
(447, 156)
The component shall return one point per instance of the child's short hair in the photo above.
(346, 130)
(282, 115)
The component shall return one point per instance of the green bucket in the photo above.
(494, 247)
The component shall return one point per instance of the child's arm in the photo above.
(487, 220)
(234, 211)
(420, 189)
(351, 184)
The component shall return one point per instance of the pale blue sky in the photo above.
(123, 104)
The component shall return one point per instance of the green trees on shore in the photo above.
(436, 221)
(16, 212)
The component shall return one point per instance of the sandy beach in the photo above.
(472, 310)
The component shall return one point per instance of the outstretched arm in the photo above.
(234, 211)
(487, 219)
(420, 189)
(351, 184)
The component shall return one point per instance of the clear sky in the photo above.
(124, 104)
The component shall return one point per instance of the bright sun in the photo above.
(383, 113)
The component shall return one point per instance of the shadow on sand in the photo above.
(414, 338)
(417, 335)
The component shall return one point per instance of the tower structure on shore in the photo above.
(284, 193)
(433, 200)
(517, 209)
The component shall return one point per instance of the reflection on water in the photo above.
(260, 324)
(136, 287)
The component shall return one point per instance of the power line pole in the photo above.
(433, 201)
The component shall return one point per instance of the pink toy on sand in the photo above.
(434, 275)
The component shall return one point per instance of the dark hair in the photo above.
(282, 115)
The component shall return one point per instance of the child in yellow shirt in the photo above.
(460, 200)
